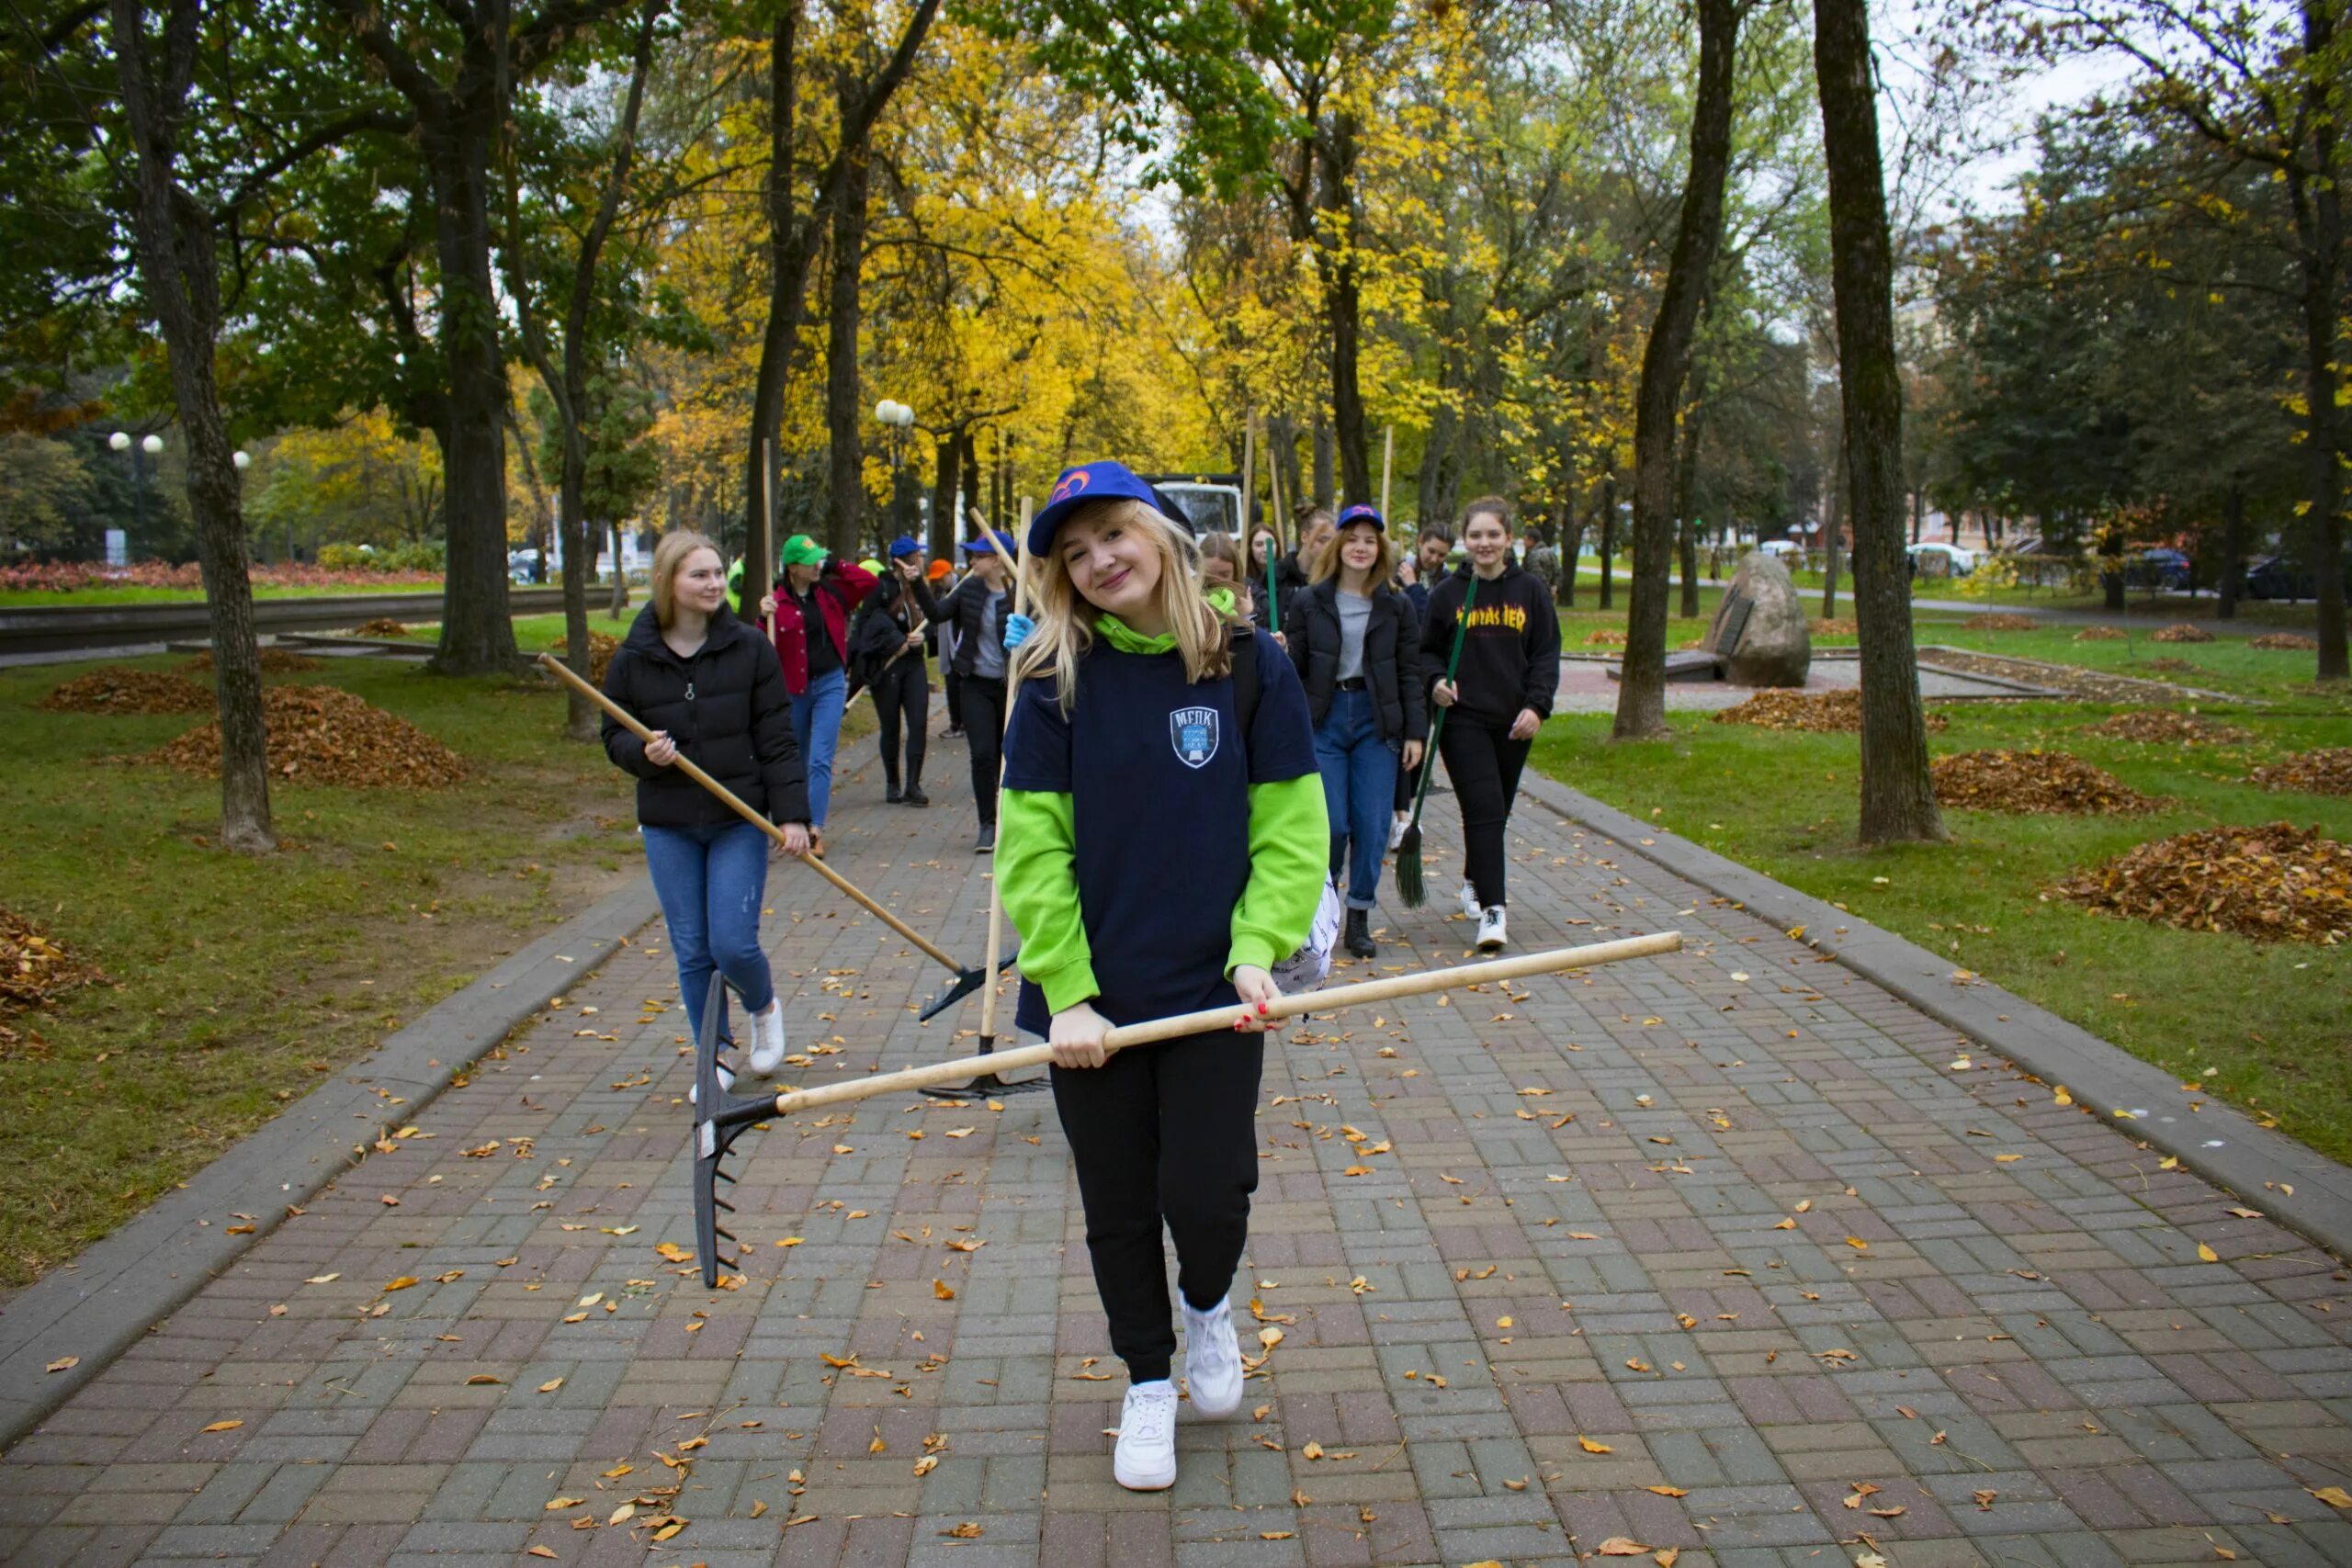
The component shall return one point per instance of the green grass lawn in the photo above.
(236, 983)
(127, 593)
(2268, 1020)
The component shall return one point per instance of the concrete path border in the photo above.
(96, 1306)
(2296, 1186)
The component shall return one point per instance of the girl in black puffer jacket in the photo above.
(709, 685)
(1356, 643)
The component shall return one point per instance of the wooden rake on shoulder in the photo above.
(721, 1116)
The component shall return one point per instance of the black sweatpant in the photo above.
(1482, 762)
(902, 690)
(982, 711)
(1164, 1134)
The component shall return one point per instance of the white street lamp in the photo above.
(120, 440)
(153, 446)
(243, 458)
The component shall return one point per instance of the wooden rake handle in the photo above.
(735, 803)
(1209, 1018)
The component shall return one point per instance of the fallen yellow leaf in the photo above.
(222, 1427)
(1588, 1446)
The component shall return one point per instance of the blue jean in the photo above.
(1359, 788)
(711, 881)
(816, 729)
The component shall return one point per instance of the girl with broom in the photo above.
(1162, 841)
(1508, 648)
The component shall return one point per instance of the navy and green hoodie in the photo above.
(1145, 849)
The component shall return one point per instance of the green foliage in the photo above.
(42, 482)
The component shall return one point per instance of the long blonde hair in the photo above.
(668, 557)
(1065, 621)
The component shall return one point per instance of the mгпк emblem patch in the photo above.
(1193, 733)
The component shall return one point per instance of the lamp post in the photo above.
(152, 447)
(897, 419)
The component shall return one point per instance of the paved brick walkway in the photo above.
(1693, 1254)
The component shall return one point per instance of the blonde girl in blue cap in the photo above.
(1161, 846)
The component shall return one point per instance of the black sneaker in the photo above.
(985, 845)
(914, 796)
(891, 796)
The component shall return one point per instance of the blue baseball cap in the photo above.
(904, 545)
(1360, 513)
(981, 546)
(1105, 480)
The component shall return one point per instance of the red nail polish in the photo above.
(1262, 1008)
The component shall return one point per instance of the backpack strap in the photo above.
(1241, 643)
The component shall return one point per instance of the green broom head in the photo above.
(1410, 887)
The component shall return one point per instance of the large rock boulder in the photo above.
(1760, 629)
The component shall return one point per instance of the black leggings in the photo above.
(1164, 1134)
(900, 689)
(982, 697)
(1484, 764)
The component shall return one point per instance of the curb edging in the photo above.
(2219, 1143)
(117, 1287)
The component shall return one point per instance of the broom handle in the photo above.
(628, 721)
(1209, 1019)
(1012, 693)
(1437, 724)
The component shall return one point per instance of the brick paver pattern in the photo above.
(1732, 1256)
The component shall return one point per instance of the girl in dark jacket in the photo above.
(885, 653)
(1356, 643)
(708, 685)
(1509, 674)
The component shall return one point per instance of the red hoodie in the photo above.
(839, 589)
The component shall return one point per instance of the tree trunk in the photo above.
(580, 722)
(1899, 802)
(2232, 552)
(1281, 454)
(1321, 438)
(1833, 525)
(1920, 515)
(1686, 475)
(1666, 359)
(1344, 305)
(947, 474)
(2110, 571)
(792, 246)
(844, 413)
(179, 277)
(1608, 539)
(617, 605)
(476, 633)
(2318, 206)
(1571, 550)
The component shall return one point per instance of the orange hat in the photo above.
(938, 569)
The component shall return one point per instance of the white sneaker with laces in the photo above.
(1212, 1360)
(1145, 1460)
(1471, 908)
(1491, 931)
(767, 1040)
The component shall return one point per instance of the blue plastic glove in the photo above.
(1017, 627)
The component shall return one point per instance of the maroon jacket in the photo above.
(839, 587)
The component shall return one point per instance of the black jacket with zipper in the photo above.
(882, 623)
(1511, 658)
(963, 608)
(1392, 657)
(727, 710)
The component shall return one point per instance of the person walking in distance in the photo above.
(811, 609)
(704, 680)
(977, 613)
(886, 650)
(1503, 690)
(1163, 847)
(1356, 643)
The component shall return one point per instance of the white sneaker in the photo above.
(1212, 1360)
(767, 1040)
(1471, 908)
(1145, 1460)
(726, 1085)
(1397, 830)
(1491, 933)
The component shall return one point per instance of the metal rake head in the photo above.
(720, 1117)
(967, 981)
